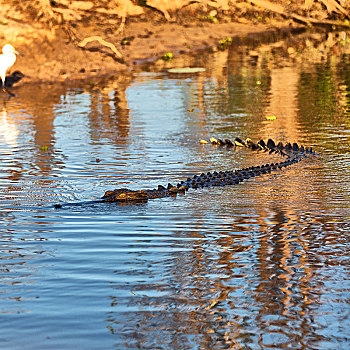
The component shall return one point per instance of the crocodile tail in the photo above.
(213, 141)
(239, 142)
(280, 146)
(250, 144)
(229, 143)
(288, 146)
(262, 145)
(271, 144)
(295, 147)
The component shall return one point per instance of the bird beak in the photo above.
(18, 53)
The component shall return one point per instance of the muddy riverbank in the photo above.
(53, 54)
(63, 41)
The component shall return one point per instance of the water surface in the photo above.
(259, 265)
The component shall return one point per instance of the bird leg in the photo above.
(8, 92)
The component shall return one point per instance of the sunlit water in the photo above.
(259, 265)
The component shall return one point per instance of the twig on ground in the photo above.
(102, 42)
(277, 8)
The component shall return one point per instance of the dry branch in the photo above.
(102, 42)
(277, 8)
(334, 6)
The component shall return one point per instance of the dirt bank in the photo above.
(53, 53)
(50, 55)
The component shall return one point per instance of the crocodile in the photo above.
(292, 153)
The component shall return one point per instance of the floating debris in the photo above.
(186, 70)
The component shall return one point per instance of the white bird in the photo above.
(7, 60)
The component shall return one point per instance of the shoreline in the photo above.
(53, 55)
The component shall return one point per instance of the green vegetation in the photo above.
(168, 56)
(212, 19)
(208, 18)
(224, 43)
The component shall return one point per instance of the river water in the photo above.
(259, 265)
